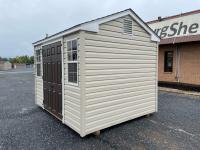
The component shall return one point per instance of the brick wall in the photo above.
(189, 65)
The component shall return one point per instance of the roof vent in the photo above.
(159, 18)
(128, 26)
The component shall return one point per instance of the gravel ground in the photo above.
(23, 125)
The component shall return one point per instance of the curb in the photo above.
(179, 91)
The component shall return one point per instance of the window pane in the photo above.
(38, 56)
(70, 77)
(44, 52)
(69, 46)
(38, 70)
(74, 44)
(58, 49)
(72, 72)
(69, 55)
(52, 51)
(48, 52)
(75, 67)
(75, 77)
(74, 55)
(168, 62)
(37, 52)
(72, 67)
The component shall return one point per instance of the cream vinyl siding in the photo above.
(71, 92)
(39, 91)
(120, 75)
(38, 80)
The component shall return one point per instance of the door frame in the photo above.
(62, 69)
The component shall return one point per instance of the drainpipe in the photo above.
(177, 63)
(177, 75)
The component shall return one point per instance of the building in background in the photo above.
(22, 66)
(5, 65)
(179, 49)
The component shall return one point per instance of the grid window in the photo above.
(168, 61)
(38, 70)
(72, 72)
(72, 50)
(72, 61)
(38, 62)
(38, 59)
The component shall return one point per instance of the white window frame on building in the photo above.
(38, 62)
(72, 59)
(168, 61)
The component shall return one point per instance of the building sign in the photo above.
(179, 26)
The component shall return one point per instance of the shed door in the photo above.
(52, 78)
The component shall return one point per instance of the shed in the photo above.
(5, 65)
(99, 73)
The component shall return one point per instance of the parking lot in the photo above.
(23, 125)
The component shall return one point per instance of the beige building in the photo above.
(179, 50)
(99, 73)
(5, 65)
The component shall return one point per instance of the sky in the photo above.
(23, 22)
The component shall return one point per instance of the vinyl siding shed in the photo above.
(108, 72)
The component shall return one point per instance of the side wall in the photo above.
(72, 115)
(188, 65)
(38, 81)
(120, 75)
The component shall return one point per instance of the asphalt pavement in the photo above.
(23, 125)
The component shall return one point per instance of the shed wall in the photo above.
(39, 82)
(71, 92)
(120, 75)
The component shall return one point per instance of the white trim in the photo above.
(157, 48)
(38, 63)
(82, 85)
(71, 83)
(51, 42)
(93, 26)
(63, 81)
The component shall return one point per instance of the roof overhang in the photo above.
(181, 39)
(93, 26)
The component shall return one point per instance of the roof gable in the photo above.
(93, 26)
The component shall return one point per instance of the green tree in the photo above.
(22, 59)
(31, 60)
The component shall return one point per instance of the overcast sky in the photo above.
(23, 22)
